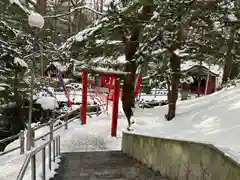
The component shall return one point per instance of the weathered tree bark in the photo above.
(55, 20)
(101, 5)
(229, 58)
(184, 91)
(235, 70)
(131, 45)
(69, 19)
(41, 7)
(173, 94)
(175, 65)
(18, 124)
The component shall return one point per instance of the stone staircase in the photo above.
(102, 165)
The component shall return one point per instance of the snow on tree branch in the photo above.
(75, 9)
(17, 2)
(20, 62)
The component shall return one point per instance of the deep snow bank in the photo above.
(213, 119)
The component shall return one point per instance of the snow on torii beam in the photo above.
(118, 75)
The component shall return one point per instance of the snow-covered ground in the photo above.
(147, 98)
(213, 119)
(75, 97)
(161, 96)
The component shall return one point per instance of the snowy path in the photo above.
(94, 136)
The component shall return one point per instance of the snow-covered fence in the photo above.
(22, 137)
(52, 129)
(62, 116)
(53, 151)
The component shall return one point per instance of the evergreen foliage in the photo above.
(205, 27)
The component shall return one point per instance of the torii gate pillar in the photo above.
(115, 107)
(83, 109)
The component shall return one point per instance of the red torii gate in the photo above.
(118, 77)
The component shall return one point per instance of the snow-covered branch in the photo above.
(75, 9)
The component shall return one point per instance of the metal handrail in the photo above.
(10, 138)
(57, 118)
(64, 115)
(38, 138)
(48, 133)
(40, 126)
(53, 152)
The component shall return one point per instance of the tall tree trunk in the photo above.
(131, 46)
(173, 94)
(18, 123)
(55, 23)
(69, 18)
(229, 58)
(101, 5)
(235, 70)
(42, 7)
(175, 65)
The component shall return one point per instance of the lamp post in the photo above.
(34, 20)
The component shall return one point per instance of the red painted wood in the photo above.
(84, 98)
(115, 108)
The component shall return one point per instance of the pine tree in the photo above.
(13, 69)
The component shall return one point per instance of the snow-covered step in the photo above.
(102, 165)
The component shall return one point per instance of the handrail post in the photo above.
(31, 158)
(22, 141)
(51, 130)
(50, 156)
(33, 167)
(44, 163)
(59, 145)
(33, 138)
(66, 121)
(98, 107)
(54, 150)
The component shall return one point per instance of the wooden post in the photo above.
(115, 107)
(199, 83)
(206, 85)
(22, 140)
(84, 98)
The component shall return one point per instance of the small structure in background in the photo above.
(53, 67)
(204, 81)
